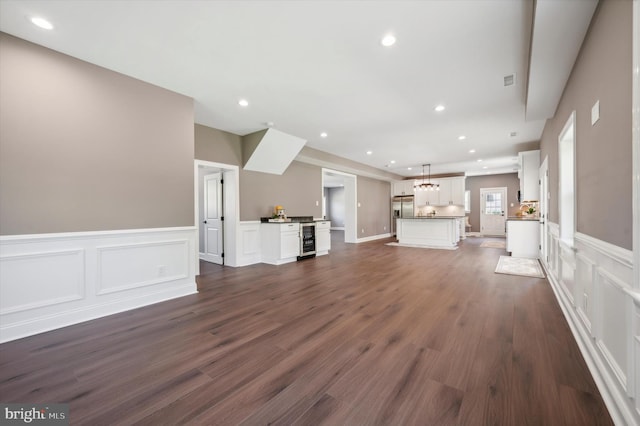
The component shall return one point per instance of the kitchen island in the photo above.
(435, 232)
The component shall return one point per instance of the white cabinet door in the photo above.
(289, 244)
(403, 187)
(421, 199)
(445, 192)
(528, 174)
(433, 197)
(457, 191)
(323, 237)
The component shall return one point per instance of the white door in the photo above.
(543, 208)
(493, 203)
(213, 219)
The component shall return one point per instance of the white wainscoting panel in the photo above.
(49, 281)
(593, 282)
(123, 267)
(584, 291)
(249, 248)
(613, 328)
(63, 271)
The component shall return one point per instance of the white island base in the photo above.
(436, 232)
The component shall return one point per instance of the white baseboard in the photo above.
(55, 280)
(373, 238)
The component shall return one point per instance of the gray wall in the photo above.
(83, 148)
(374, 213)
(475, 183)
(298, 190)
(603, 152)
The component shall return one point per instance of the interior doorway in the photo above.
(493, 204)
(212, 220)
(216, 212)
(339, 198)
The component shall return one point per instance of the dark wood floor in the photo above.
(370, 334)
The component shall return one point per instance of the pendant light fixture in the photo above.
(428, 186)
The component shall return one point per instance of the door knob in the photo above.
(204, 221)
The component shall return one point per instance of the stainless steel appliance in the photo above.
(307, 240)
(402, 208)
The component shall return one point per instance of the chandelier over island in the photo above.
(428, 186)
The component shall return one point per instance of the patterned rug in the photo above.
(493, 244)
(519, 266)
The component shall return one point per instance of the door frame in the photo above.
(504, 206)
(543, 206)
(231, 206)
(213, 174)
(350, 203)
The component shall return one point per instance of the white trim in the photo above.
(569, 125)
(619, 254)
(350, 201)
(87, 234)
(373, 238)
(635, 137)
(231, 202)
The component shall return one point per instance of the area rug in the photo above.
(417, 246)
(519, 266)
(493, 244)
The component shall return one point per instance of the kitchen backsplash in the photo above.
(440, 210)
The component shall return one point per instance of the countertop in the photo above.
(294, 219)
(524, 218)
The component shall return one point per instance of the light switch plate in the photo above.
(595, 112)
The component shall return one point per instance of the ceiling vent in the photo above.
(509, 80)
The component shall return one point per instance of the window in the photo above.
(493, 203)
(566, 177)
(467, 201)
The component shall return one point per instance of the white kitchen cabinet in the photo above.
(457, 191)
(451, 192)
(403, 187)
(433, 197)
(529, 163)
(323, 237)
(420, 199)
(280, 242)
(523, 237)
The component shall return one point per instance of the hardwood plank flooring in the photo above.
(368, 335)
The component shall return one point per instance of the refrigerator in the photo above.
(402, 207)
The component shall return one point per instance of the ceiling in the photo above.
(309, 67)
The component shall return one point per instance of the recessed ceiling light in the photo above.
(42, 23)
(243, 102)
(439, 108)
(323, 135)
(479, 160)
(461, 137)
(369, 152)
(393, 161)
(484, 167)
(471, 151)
(388, 40)
(408, 168)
